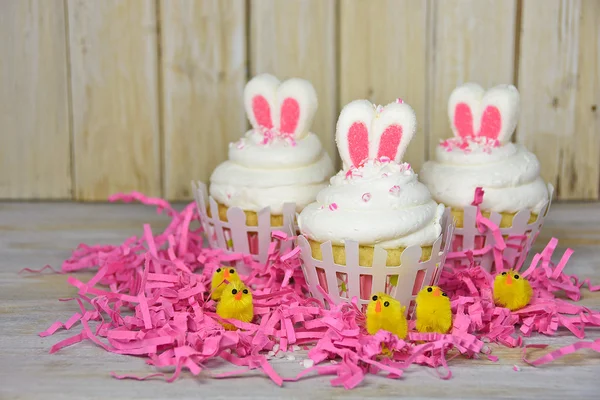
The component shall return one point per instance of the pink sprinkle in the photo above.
(333, 206)
(516, 368)
(399, 100)
(366, 197)
(468, 144)
(353, 173)
(270, 134)
(240, 144)
(384, 159)
(395, 190)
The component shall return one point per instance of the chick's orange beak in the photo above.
(509, 279)
(437, 292)
(378, 306)
(226, 274)
(238, 295)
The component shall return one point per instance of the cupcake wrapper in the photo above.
(234, 236)
(344, 282)
(483, 244)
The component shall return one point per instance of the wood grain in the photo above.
(35, 146)
(204, 72)
(470, 41)
(296, 38)
(32, 235)
(114, 80)
(386, 59)
(98, 97)
(559, 81)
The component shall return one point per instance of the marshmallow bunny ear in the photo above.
(393, 129)
(353, 131)
(463, 109)
(260, 100)
(499, 113)
(493, 114)
(297, 104)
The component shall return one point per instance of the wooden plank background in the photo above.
(98, 97)
(35, 144)
(114, 85)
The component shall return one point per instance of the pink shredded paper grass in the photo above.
(150, 298)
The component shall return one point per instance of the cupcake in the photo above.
(374, 203)
(277, 162)
(481, 155)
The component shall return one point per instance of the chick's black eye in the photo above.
(374, 298)
(386, 304)
(234, 291)
(444, 294)
(504, 273)
(516, 276)
(218, 269)
(232, 271)
(245, 291)
(430, 289)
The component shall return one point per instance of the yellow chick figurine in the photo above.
(511, 290)
(385, 312)
(217, 285)
(236, 303)
(433, 310)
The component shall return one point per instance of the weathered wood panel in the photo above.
(114, 80)
(470, 41)
(117, 95)
(35, 148)
(559, 80)
(296, 38)
(204, 72)
(386, 59)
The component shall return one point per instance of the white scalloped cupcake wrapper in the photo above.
(519, 238)
(234, 236)
(403, 282)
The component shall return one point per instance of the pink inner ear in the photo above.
(389, 142)
(290, 114)
(358, 143)
(491, 123)
(463, 120)
(262, 111)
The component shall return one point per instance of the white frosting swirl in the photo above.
(508, 174)
(380, 203)
(270, 173)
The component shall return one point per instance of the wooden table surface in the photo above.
(35, 234)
